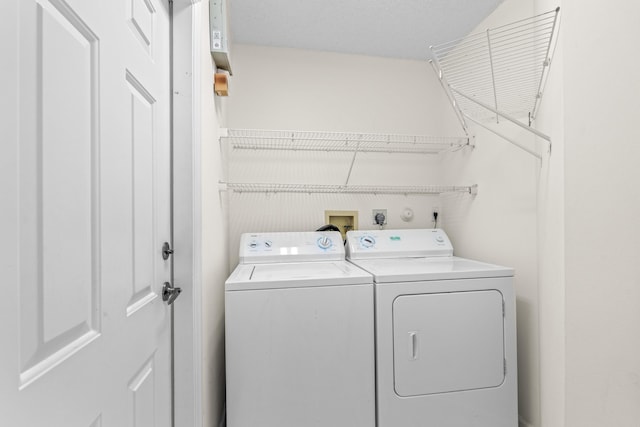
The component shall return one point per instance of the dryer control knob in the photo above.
(367, 241)
(440, 239)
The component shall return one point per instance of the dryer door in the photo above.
(447, 342)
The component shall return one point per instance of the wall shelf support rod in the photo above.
(546, 66)
(435, 64)
(493, 74)
(505, 116)
(501, 135)
(353, 160)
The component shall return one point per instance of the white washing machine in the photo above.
(299, 334)
(445, 332)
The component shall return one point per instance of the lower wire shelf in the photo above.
(344, 189)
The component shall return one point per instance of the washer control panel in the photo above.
(398, 243)
(291, 247)
(324, 242)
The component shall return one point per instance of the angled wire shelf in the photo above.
(289, 140)
(344, 189)
(500, 73)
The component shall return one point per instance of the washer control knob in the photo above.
(253, 244)
(440, 239)
(324, 242)
(367, 241)
(268, 244)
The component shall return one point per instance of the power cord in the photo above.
(435, 219)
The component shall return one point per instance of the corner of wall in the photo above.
(214, 237)
(551, 242)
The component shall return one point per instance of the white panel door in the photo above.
(448, 342)
(85, 210)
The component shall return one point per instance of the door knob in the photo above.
(170, 293)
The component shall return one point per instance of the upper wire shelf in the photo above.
(345, 189)
(500, 73)
(255, 139)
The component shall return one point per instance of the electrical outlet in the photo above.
(375, 212)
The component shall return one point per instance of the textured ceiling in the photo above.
(390, 28)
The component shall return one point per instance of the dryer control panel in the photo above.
(256, 248)
(398, 244)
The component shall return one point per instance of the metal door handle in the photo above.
(170, 293)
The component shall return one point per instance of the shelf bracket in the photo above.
(435, 64)
(353, 160)
(493, 74)
(546, 66)
(514, 142)
(505, 116)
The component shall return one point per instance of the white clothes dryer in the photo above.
(445, 332)
(299, 334)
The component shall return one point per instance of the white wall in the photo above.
(500, 224)
(214, 262)
(602, 206)
(587, 242)
(276, 88)
(551, 241)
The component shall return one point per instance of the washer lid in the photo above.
(434, 268)
(296, 275)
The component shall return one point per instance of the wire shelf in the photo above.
(345, 189)
(255, 139)
(500, 73)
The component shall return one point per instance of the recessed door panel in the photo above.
(143, 217)
(142, 388)
(141, 21)
(59, 254)
(448, 342)
(97, 422)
